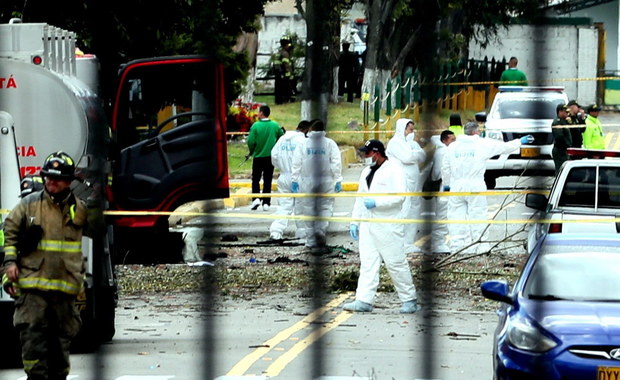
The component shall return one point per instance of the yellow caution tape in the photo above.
(366, 195)
(345, 219)
(337, 219)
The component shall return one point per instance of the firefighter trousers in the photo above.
(46, 322)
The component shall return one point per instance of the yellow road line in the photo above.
(281, 363)
(244, 364)
(612, 141)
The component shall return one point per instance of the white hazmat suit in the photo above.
(282, 159)
(317, 168)
(463, 168)
(410, 155)
(439, 230)
(382, 242)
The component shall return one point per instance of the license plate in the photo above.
(608, 373)
(530, 152)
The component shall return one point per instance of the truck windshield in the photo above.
(528, 108)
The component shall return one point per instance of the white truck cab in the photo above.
(519, 111)
(584, 198)
(162, 144)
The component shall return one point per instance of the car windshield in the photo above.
(581, 274)
(527, 108)
(580, 185)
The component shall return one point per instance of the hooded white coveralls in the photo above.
(440, 230)
(317, 166)
(382, 242)
(410, 155)
(282, 159)
(463, 168)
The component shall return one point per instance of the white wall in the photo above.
(607, 14)
(549, 55)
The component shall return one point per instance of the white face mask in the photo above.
(409, 138)
(368, 161)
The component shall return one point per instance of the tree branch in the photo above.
(400, 60)
(452, 258)
(300, 8)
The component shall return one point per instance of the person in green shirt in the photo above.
(513, 76)
(262, 137)
(593, 135)
(456, 126)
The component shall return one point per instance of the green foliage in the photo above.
(445, 27)
(118, 31)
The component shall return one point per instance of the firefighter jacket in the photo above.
(283, 64)
(45, 240)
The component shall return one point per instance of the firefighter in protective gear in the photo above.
(282, 159)
(43, 261)
(284, 72)
(403, 149)
(463, 168)
(317, 168)
(30, 184)
(381, 242)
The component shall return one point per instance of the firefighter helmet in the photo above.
(30, 184)
(58, 165)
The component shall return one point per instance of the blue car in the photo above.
(561, 320)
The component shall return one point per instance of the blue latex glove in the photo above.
(294, 187)
(354, 231)
(446, 188)
(527, 139)
(369, 203)
(338, 187)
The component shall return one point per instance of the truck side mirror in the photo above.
(536, 201)
(481, 117)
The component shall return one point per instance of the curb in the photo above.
(238, 202)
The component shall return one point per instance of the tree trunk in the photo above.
(320, 58)
(371, 78)
(377, 65)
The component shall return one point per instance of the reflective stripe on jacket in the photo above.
(55, 263)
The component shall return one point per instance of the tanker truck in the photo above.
(162, 144)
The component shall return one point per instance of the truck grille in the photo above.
(540, 138)
(518, 157)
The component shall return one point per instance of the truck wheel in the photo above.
(106, 314)
(491, 181)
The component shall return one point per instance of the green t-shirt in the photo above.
(513, 75)
(263, 136)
